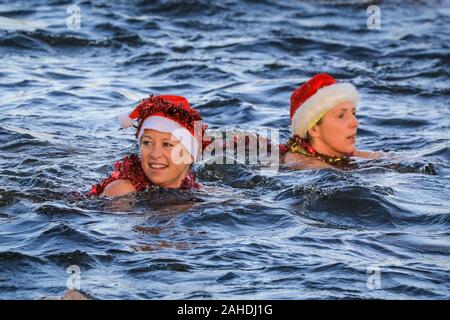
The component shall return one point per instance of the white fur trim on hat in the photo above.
(124, 120)
(321, 102)
(164, 124)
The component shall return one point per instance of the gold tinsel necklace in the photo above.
(301, 146)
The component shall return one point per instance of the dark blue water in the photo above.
(292, 235)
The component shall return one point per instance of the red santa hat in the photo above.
(314, 98)
(167, 113)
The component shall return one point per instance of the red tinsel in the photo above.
(130, 168)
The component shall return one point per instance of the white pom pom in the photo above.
(124, 120)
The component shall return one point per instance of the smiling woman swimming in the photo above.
(323, 124)
(168, 146)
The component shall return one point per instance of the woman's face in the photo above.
(163, 158)
(336, 133)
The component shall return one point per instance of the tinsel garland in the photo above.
(301, 146)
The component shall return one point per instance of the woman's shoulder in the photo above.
(118, 188)
(298, 161)
(291, 157)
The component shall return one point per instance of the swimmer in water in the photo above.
(323, 125)
(168, 146)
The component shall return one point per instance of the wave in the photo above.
(44, 41)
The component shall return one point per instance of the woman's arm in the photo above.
(368, 154)
(118, 188)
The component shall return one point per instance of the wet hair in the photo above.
(308, 137)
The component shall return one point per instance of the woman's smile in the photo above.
(157, 166)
